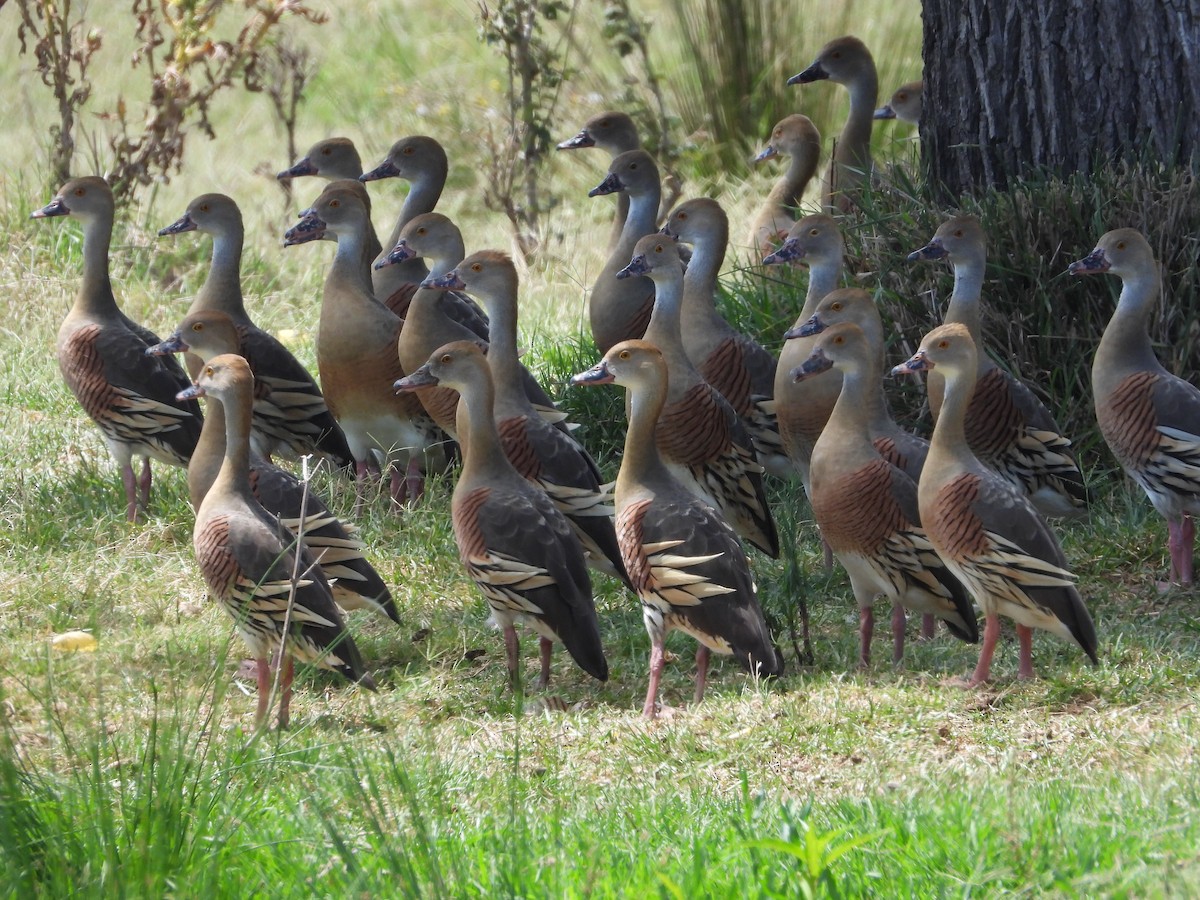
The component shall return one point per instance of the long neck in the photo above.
(854, 146)
(789, 189)
(234, 476)
(348, 261)
(1126, 341)
(95, 292)
(968, 288)
(642, 219)
(664, 330)
(502, 355)
(849, 422)
(483, 455)
(423, 194)
(949, 436)
(209, 453)
(700, 280)
(823, 276)
(641, 463)
(222, 289)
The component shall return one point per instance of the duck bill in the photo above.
(813, 326)
(767, 152)
(309, 228)
(422, 378)
(579, 142)
(597, 374)
(448, 282)
(919, 363)
(1092, 264)
(300, 169)
(637, 266)
(179, 226)
(885, 112)
(398, 254)
(815, 72)
(666, 229)
(174, 344)
(791, 251)
(384, 170)
(609, 185)
(55, 207)
(814, 365)
(191, 393)
(931, 251)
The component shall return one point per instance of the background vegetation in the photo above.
(133, 770)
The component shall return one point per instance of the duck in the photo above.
(357, 358)
(620, 309)
(1149, 418)
(1008, 427)
(738, 366)
(900, 447)
(615, 133)
(866, 507)
(272, 588)
(422, 162)
(101, 353)
(984, 527)
(905, 104)
(335, 159)
(290, 415)
(514, 543)
(797, 138)
(700, 437)
(547, 456)
(847, 61)
(687, 565)
(430, 320)
(355, 583)
(803, 408)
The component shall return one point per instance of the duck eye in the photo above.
(837, 306)
(836, 54)
(79, 192)
(476, 268)
(814, 232)
(446, 357)
(603, 123)
(958, 233)
(900, 98)
(624, 354)
(420, 231)
(839, 340)
(408, 151)
(658, 248)
(682, 216)
(335, 203)
(196, 326)
(942, 345)
(633, 165)
(209, 371)
(1120, 245)
(326, 151)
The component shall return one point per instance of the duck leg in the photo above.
(657, 661)
(361, 474)
(414, 478)
(1187, 539)
(130, 482)
(144, 485)
(285, 691)
(702, 654)
(545, 647)
(866, 628)
(262, 671)
(991, 634)
(928, 627)
(398, 488)
(512, 653)
(899, 621)
(1025, 641)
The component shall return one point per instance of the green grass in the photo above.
(134, 771)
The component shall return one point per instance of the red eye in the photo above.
(942, 345)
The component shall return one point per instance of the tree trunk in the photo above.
(1058, 85)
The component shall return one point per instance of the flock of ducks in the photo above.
(417, 352)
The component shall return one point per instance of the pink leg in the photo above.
(657, 661)
(1025, 640)
(285, 691)
(1187, 541)
(545, 646)
(866, 628)
(262, 669)
(702, 654)
(899, 621)
(144, 484)
(512, 652)
(361, 473)
(398, 488)
(826, 555)
(928, 627)
(415, 478)
(131, 503)
(991, 634)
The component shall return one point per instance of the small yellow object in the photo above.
(74, 642)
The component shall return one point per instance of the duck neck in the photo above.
(347, 262)
(222, 288)
(209, 453)
(640, 462)
(700, 280)
(855, 142)
(502, 355)
(789, 189)
(642, 220)
(1126, 340)
(665, 330)
(423, 194)
(949, 434)
(234, 475)
(968, 288)
(95, 292)
(483, 455)
(849, 422)
(823, 277)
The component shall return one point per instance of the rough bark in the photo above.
(1058, 85)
